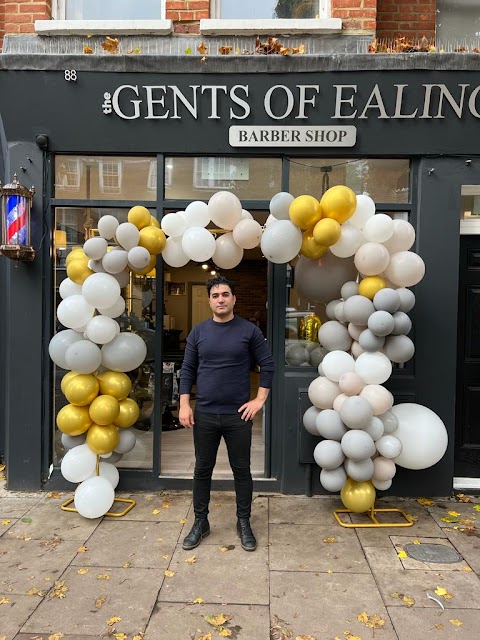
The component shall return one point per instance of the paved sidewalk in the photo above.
(129, 578)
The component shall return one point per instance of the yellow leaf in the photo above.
(160, 539)
(439, 627)
(417, 542)
(453, 513)
(113, 621)
(191, 560)
(156, 512)
(329, 570)
(461, 497)
(169, 574)
(425, 502)
(477, 507)
(304, 638)
(456, 623)
(120, 636)
(440, 591)
(137, 50)
(127, 565)
(329, 540)
(55, 636)
(363, 617)
(402, 554)
(468, 569)
(35, 592)
(166, 557)
(60, 590)
(225, 633)
(5, 522)
(4, 600)
(82, 572)
(165, 506)
(103, 576)
(82, 549)
(99, 602)
(218, 620)
(408, 601)
(54, 494)
(183, 521)
(198, 601)
(87, 49)
(207, 636)
(138, 637)
(449, 519)
(188, 51)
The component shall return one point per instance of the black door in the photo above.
(467, 432)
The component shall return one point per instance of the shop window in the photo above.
(109, 10)
(219, 173)
(110, 177)
(458, 24)
(286, 9)
(68, 174)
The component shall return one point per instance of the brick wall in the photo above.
(186, 14)
(356, 15)
(21, 15)
(250, 278)
(412, 19)
(2, 22)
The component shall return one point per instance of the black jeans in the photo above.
(237, 433)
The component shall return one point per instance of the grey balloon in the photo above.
(381, 323)
(349, 289)
(69, 442)
(321, 280)
(316, 356)
(328, 454)
(370, 342)
(339, 313)
(403, 324)
(375, 428)
(115, 457)
(330, 309)
(386, 300)
(333, 479)
(355, 330)
(390, 422)
(407, 299)
(356, 412)
(359, 470)
(329, 425)
(399, 349)
(358, 309)
(382, 485)
(358, 445)
(334, 335)
(310, 420)
(295, 354)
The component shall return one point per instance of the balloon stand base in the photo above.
(131, 503)
(373, 522)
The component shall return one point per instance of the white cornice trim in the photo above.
(270, 27)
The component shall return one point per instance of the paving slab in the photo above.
(27, 564)
(129, 594)
(392, 578)
(425, 623)
(467, 546)
(234, 576)
(139, 544)
(156, 507)
(6, 524)
(15, 613)
(465, 510)
(326, 605)
(16, 506)
(28, 636)
(307, 547)
(179, 621)
(301, 510)
(399, 543)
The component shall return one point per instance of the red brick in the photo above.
(370, 25)
(173, 15)
(192, 28)
(199, 6)
(32, 7)
(11, 27)
(201, 15)
(186, 16)
(18, 17)
(172, 6)
(27, 28)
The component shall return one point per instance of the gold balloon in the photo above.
(327, 232)
(357, 496)
(305, 212)
(370, 286)
(114, 383)
(66, 379)
(148, 268)
(154, 222)
(153, 239)
(75, 254)
(104, 410)
(139, 216)
(129, 412)
(102, 439)
(73, 420)
(309, 327)
(82, 389)
(339, 203)
(78, 270)
(310, 249)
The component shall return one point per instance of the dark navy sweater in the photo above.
(218, 358)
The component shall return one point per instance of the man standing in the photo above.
(218, 357)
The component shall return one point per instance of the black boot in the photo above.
(200, 529)
(245, 532)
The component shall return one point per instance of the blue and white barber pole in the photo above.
(16, 201)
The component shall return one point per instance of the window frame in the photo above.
(59, 11)
(324, 11)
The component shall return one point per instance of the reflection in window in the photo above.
(458, 24)
(68, 174)
(110, 9)
(219, 173)
(252, 9)
(110, 176)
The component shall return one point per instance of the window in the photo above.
(219, 173)
(68, 174)
(109, 10)
(458, 24)
(110, 176)
(286, 9)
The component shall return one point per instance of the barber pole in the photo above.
(16, 203)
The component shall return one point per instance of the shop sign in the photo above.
(269, 136)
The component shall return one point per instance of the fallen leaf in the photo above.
(35, 592)
(225, 50)
(191, 560)
(373, 622)
(402, 554)
(5, 522)
(160, 539)
(120, 636)
(305, 638)
(425, 502)
(449, 519)
(229, 547)
(439, 627)
(165, 506)
(4, 600)
(183, 521)
(453, 513)
(417, 542)
(166, 557)
(54, 494)
(82, 549)
(60, 590)
(55, 636)
(329, 570)
(456, 623)
(82, 572)
(169, 574)
(207, 636)
(113, 621)
(202, 49)
(127, 565)
(138, 636)
(408, 601)
(218, 620)
(110, 44)
(461, 497)
(440, 591)
(156, 512)
(27, 520)
(477, 507)
(99, 602)
(330, 540)
(103, 576)
(137, 50)
(225, 633)
(188, 51)
(87, 49)
(468, 569)
(198, 601)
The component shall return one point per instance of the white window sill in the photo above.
(470, 226)
(273, 26)
(102, 27)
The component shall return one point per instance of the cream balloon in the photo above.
(138, 258)
(107, 226)
(351, 240)
(281, 241)
(173, 254)
(247, 234)
(197, 214)
(101, 290)
(373, 368)
(405, 269)
(403, 237)
(378, 228)
(173, 225)
(125, 352)
(68, 288)
(95, 248)
(227, 253)
(198, 244)
(364, 211)
(371, 259)
(127, 235)
(225, 210)
(115, 261)
(74, 311)
(115, 310)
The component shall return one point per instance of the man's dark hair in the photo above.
(215, 282)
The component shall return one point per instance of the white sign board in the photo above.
(292, 136)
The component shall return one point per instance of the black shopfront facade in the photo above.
(423, 112)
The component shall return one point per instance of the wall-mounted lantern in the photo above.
(16, 203)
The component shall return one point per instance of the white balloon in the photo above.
(75, 311)
(359, 470)
(381, 485)
(138, 258)
(59, 344)
(384, 468)
(127, 235)
(358, 445)
(373, 368)
(309, 420)
(371, 259)
(68, 288)
(96, 266)
(126, 442)
(94, 497)
(328, 454)
(173, 253)
(107, 226)
(378, 228)
(173, 225)
(95, 248)
(197, 214)
(115, 261)
(227, 253)
(247, 234)
(334, 479)
(280, 204)
(423, 436)
(351, 239)
(281, 241)
(364, 211)
(336, 363)
(225, 209)
(101, 290)
(389, 446)
(403, 237)
(78, 463)
(322, 392)
(246, 215)
(115, 310)
(109, 472)
(83, 357)
(101, 329)
(405, 269)
(198, 244)
(125, 352)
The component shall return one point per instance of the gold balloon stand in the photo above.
(359, 497)
(113, 514)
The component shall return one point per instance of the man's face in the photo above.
(222, 301)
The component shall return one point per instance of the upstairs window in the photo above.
(109, 10)
(268, 9)
(458, 24)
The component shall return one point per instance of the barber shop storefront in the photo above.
(98, 136)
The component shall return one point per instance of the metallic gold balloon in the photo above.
(148, 268)
(104, 410)
(78, 270)
(129, 412)
(370, 286)
(139, 216)
(327, 232)
(75, 254)
(82, 389)
(114, 383)
(73, 420)
(357, 496)
(339, 203)
(305, 212)
(309, 327)
(102, 439)
(154, 222)
(66, 379)
(310, 249)
(153, 239)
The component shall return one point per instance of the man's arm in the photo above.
(252, 407)
(263, 358)
(188, 376)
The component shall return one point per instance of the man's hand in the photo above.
(251, 408)
(185, 415)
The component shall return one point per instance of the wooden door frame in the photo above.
(189, 301)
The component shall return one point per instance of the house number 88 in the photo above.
(70, 75)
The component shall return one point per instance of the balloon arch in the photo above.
(357, 262)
